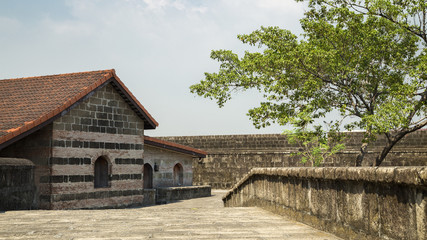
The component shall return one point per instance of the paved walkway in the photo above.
(202, 218)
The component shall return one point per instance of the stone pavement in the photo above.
(201, 218)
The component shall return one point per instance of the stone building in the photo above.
(84, 132)
(162, 157)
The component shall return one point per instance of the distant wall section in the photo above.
(230, 157)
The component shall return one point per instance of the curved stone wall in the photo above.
(353, 203)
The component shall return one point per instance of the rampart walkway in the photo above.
(202, 218)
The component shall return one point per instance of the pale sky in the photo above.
(157, 47)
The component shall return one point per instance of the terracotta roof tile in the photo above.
(174, 146)
(25, 103)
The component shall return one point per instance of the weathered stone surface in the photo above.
(17, 189)
(103, 125)
(65, 151)
(201, 218)
(166, 160)
(37, 148)
(354, 205)
(341, 173)
(232, 156)
(15, 162)
(385, 174)
(171, 194)
(409, 175)
(329, 173)
(149, 197)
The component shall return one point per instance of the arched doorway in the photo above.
(148, 176)
(101, 173)
(178, 175)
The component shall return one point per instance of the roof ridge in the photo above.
(173, 144)
(132, 96)
(112, 70)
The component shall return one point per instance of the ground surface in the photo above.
(202, 218)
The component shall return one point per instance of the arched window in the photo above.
(101, 173)
(178, 175)
(148, 176)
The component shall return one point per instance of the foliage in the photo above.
(316, 145)
(363, 61)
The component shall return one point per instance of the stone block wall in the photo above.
(101, 126)
(230, 157)
(166, 161)
(37, 148)
(64, 153)
(353, 203)
(17, 189)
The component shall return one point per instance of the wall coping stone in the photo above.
(171, 194)
(400, 175)
(16, 162)
(184, 187)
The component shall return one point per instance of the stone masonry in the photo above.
(16, 184)
(200, 218)
(103, 125)
(351, 202)
(166, 160)
(232, 156)
(37, 148)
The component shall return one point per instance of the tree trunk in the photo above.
(380, 158)
(361, 156)
(390, 144)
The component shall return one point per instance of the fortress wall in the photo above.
(230, 157)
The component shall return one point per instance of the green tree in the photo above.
(361, 61)
(315, 145)
(410, 15)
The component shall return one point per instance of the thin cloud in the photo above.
(9, 24)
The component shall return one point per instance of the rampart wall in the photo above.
(230, 157)
(351, 202)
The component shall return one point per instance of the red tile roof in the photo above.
(28, 103)
(174, 146)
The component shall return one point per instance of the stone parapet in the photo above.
(149, 197)
(171, 194)
(353, 203)
(272, 142)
